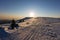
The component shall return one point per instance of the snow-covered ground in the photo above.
(39, 28)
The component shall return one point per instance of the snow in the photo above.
(36, 29)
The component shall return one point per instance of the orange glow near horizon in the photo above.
(32, 14)
(10, 17)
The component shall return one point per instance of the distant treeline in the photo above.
(5, 21)
(17, 21)
(23, 19)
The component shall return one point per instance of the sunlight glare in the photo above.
(32, 14)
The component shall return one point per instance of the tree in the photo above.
(13, 24)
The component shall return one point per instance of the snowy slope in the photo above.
(40, 28)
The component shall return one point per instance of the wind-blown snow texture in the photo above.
(40, 28)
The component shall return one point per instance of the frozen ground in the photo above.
(33, 29)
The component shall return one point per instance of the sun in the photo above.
(32, 14)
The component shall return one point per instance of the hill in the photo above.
(38, 28)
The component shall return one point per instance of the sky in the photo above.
(40, 8)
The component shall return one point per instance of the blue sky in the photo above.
(44, 8)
